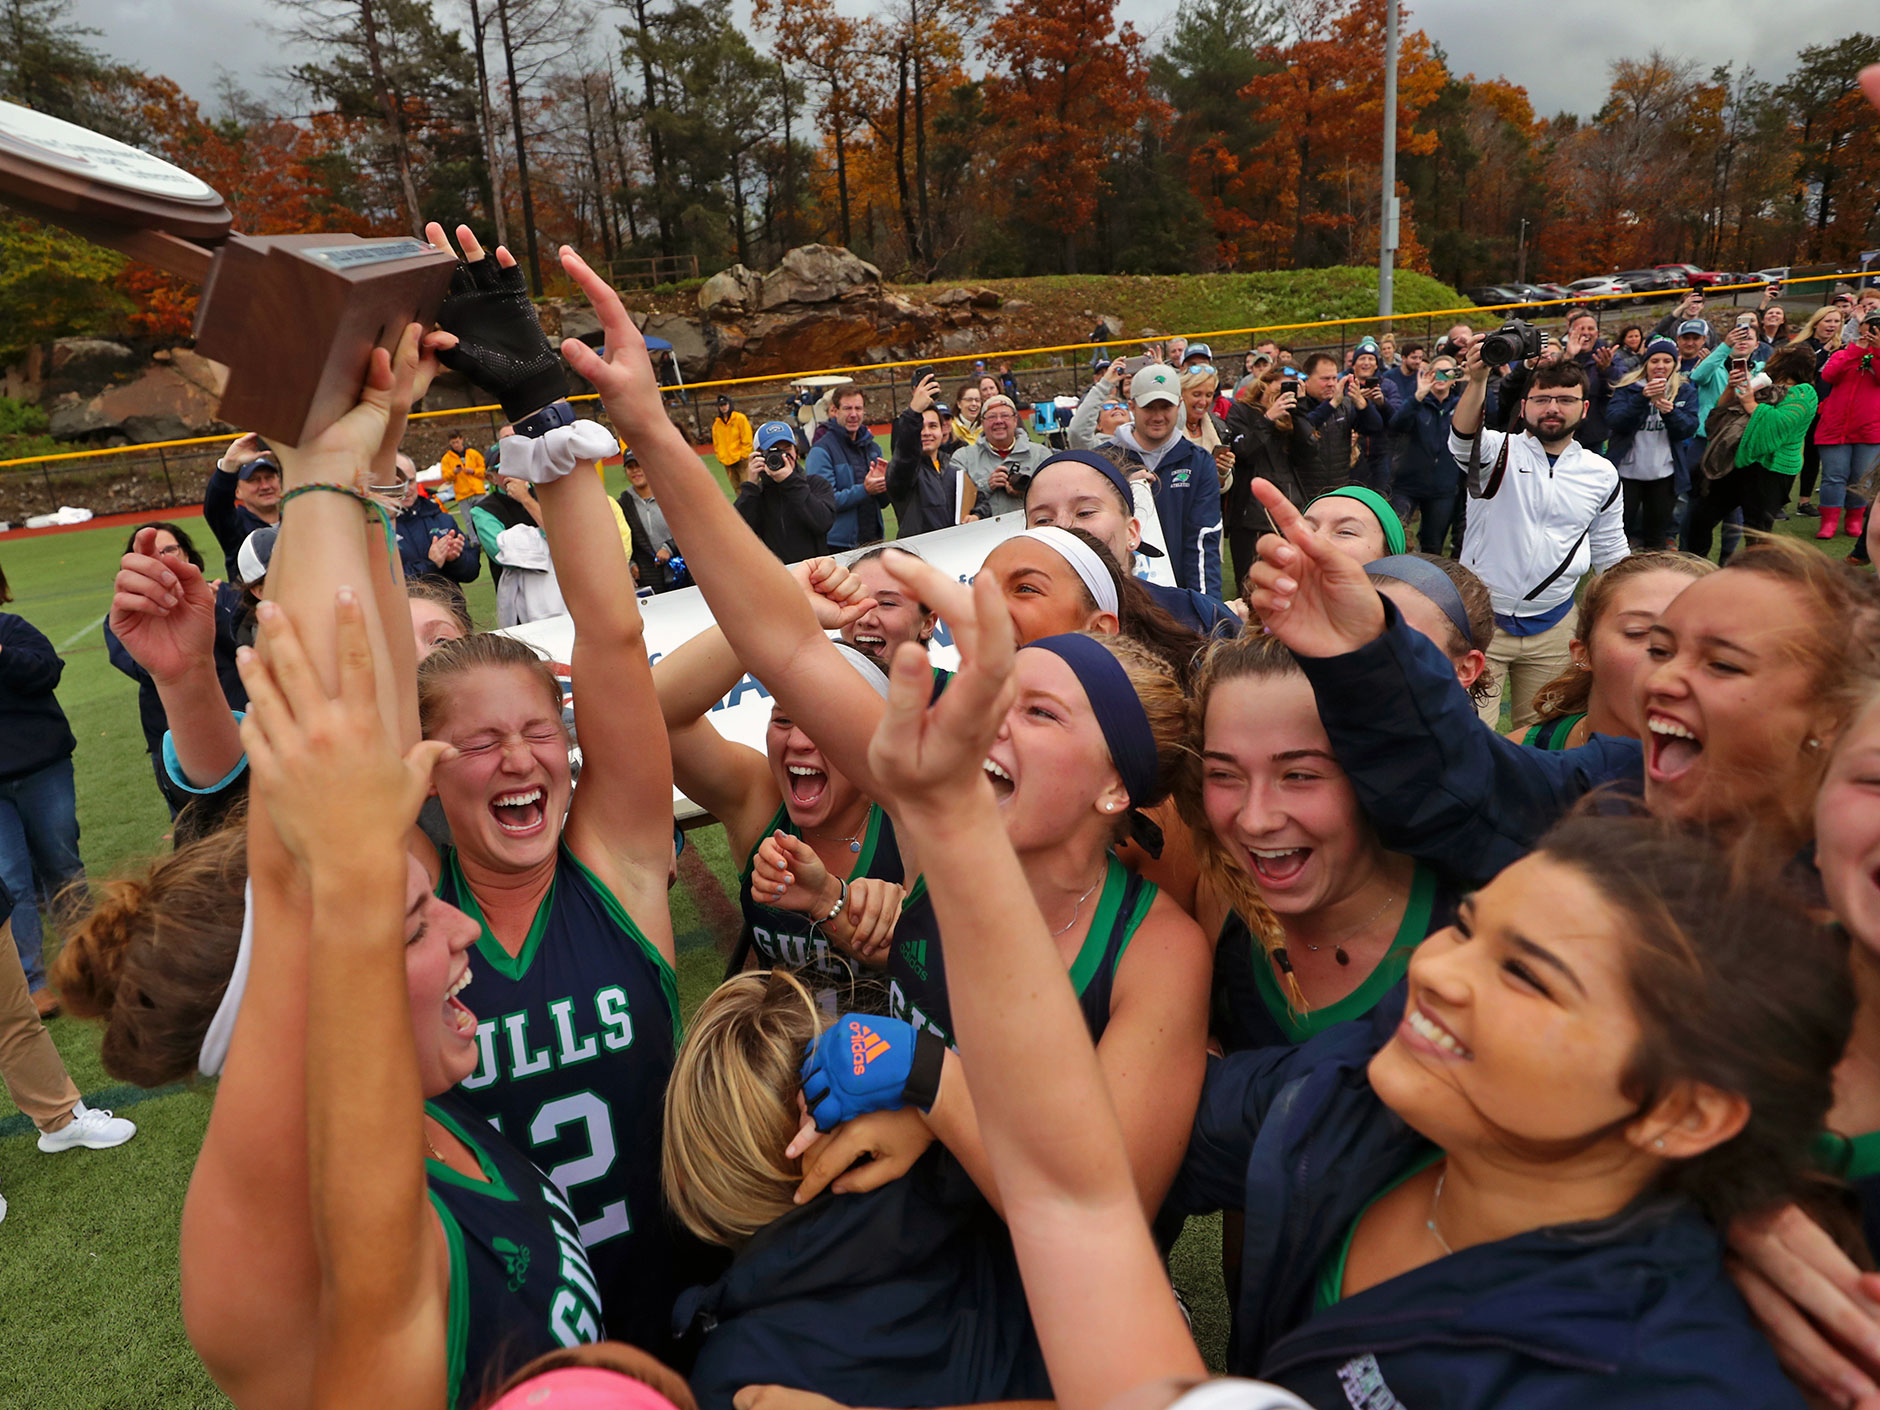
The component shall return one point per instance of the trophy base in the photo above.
(295, 318)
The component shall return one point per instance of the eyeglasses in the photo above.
(1112, 406)
(1562, 402)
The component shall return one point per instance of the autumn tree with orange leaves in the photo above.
(1069, 87)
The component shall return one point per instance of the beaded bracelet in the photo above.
(334, 487)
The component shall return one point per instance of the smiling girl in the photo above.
(1588, 1068)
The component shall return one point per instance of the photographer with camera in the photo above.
(925, 486)
(1546, 509)
(1690, 310)
(788, 509)
(1000, 463)
(243, 494)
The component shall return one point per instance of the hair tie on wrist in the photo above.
(352, 492)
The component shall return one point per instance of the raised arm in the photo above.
(765, 618)
(341, 798)
(1098, 1291)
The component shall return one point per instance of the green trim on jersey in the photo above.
(915, 892)
(1103, 923)
(489, 948)
(668, 980)
(457, 1314)
(1551, 735)
(1411, 931)
(1330, 1290)
(457, 1309)
(492, 1183)
(1848, 1158)
(515, 966)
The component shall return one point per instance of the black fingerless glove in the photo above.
(501, 346)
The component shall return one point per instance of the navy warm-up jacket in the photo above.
(1437, 783)
(909, 1292)
(1633, 1312)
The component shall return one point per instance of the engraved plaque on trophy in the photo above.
(294, 318)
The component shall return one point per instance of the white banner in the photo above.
(743, 715)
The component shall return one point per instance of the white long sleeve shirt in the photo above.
(1535, 529)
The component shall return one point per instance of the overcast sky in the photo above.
(1560, 53)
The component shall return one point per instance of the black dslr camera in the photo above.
(1514, 341)
(1017, 478)
(773, 457)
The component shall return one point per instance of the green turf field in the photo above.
(88, 1248)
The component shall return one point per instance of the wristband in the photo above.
(540, 459)
(539, 423)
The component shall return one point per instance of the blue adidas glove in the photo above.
(863, 1063)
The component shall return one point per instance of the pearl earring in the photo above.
(1660, 1143)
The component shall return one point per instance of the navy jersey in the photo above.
(1551, 735)
(1251, 1009)
(520, 1284)
(917, 975)
(789, 939)
(576, 1037)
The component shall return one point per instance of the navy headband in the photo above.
(1118, 709)
(1101, 466)
(1429, 580)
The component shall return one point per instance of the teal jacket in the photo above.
(1773, 438)
(1711, 376)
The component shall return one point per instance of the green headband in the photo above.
(1387, 519)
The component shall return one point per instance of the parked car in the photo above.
(1489, 295)
(1740, 283)
(1536, 293)
(1775, 275)
(1652, 283)
(1555, 292)
(1691, 275)
(1604, 284)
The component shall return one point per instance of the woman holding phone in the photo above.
(1652, 416)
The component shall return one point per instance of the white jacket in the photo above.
(1534, 529)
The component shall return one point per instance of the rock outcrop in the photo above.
(821, 307)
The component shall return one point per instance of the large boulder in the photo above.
(823, 306)
(169, 400)
(819, 274)
(687, 339)
(730, 292)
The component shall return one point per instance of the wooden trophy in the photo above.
(294, 318)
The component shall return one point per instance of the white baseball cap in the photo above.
(1154, 382)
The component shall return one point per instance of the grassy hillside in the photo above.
(1197, 303)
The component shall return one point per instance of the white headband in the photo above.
(1084, 560)
(877, 678)
(222, 1027)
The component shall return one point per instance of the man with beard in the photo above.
(1546, 509)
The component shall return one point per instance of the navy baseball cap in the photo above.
(1693, 325)
(260, 462)
(775, 433)
(1198, 351)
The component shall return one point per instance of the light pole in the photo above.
(1520, 268)
(1387, 208)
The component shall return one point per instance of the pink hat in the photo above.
(583, 1388)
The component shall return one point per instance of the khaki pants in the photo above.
(30, 1066)
(1521, 665)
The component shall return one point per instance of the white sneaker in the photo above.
(96, 1130)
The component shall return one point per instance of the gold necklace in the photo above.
(436, 1154)
(1338, 950)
